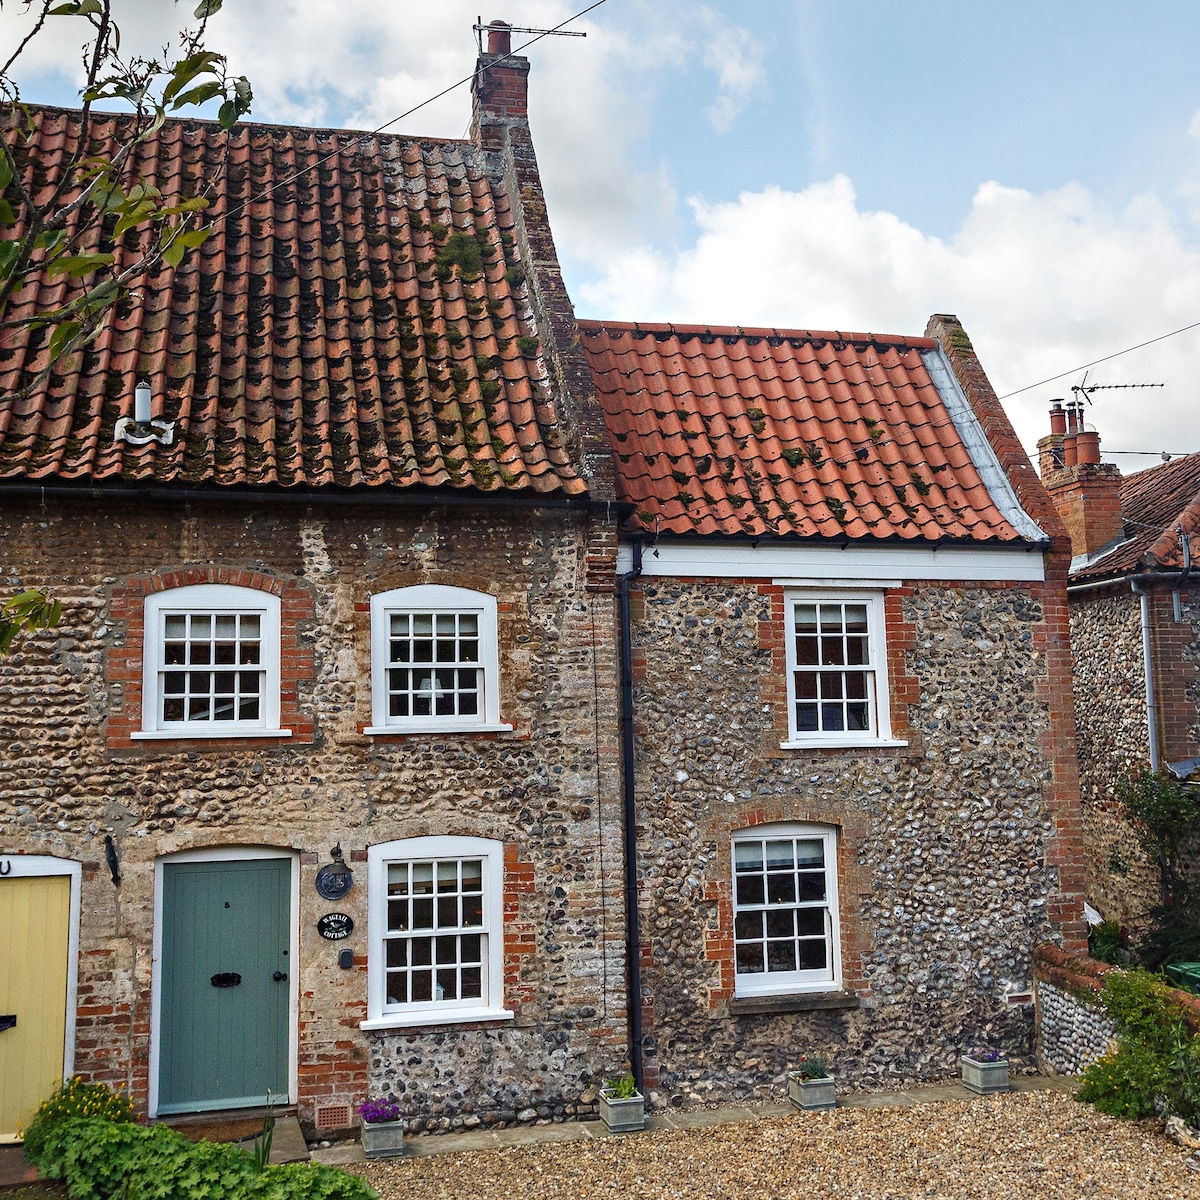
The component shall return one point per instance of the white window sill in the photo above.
(453, 1016)
(193, 734)
(409, 728)
(819, 743)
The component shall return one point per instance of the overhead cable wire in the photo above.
(1107, 358)
(362, 137)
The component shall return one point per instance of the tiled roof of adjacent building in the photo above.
(1155, 503)
(358, 318)
(787, 432)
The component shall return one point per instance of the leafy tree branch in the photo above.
(99, 228)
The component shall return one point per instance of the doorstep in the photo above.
(15, 1172)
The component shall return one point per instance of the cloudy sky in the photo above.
(1033, 167)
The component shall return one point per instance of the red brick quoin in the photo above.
(124, 664)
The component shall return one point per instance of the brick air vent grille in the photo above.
(332, 1116)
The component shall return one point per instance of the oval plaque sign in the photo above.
(335, 926)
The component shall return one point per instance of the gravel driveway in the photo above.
(1039, 1144)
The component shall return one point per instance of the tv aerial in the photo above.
(1085, 389)
(480, 28)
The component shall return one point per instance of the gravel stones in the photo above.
(1031, 1144)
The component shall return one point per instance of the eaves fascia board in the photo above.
(982, 453)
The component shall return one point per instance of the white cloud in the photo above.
(1042, 283)
(736, 58)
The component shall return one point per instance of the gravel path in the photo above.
(1043, 1145)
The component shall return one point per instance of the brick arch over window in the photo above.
(126, 657)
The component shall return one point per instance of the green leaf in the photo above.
(9, 253)
(192, 238)
(5, 172)
(134, 216)
(75, 266)
(7, 216)
(207, 8)
(227, 115)
(173, 254)
(62, 337)
(198, 95)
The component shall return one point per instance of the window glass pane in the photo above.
(472, 983)
(831, 684)
(781, 888)
(198, 709)
(810, 852)
(397, 952)
(468, 650)
(806, 618)
(747, 925)
(750, 889)
(225, 654)
(856, 650)
(833, 653)
(447, 909)
(472, 875)
(397, 918)
(781, 923)
(421, 950)
(422, 986)
(806, 718)
(781, 956)
(225, 626)
(422, 878)
(201, 653)
(174, 654)
(831, 717)
(176, 626)
(780, 854)
(814, 955)
(422, 914)
(447, 877)
(856, 618)
(812, 886)
(201, 627)
(472, 912)
(807, 652)
(858, 716)
(445, 950)
(397, 879)
(468, 624)
(748, 856)
(470, 948)
(810, 922)
(447, 985)
(749, 958)
(422, 624)
(856, 685)
(398, 624)
(173, 710)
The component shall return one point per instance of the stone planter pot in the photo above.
(812, 1095)
(383, 1139)
(985, 1078)
(622, 1116)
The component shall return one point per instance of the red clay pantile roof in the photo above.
(767, 431)
(332, 332)
(1154, 503)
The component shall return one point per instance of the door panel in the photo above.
(35, 914)
(224, 1017)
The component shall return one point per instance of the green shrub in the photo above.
(1156, 1066)
(75, 1099)
(98, 1159)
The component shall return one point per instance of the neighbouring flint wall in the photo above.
(547, 790)
(1072, 1034)
(1110, 715)
(945, 845)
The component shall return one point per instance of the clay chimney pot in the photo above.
(499, 37)
(1058, 418)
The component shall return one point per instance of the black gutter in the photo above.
(386, 497)
(1167, 578)
(633, 969)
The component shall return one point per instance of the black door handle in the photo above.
(8, 1021)
(226, 979)
(279, 976)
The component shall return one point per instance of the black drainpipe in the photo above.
(632, 935)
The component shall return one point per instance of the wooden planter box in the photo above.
(812, 1095)
(985, 1078)
(623, 1116)
(384, 1139)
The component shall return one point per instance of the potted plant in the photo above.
(811, 1087)
(622, 1106)
(382, 1129)
(985, 1072)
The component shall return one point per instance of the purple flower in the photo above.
(985, 1055)
(379, 1112)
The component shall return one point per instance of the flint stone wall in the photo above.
(546, 790)
(1073, 1034)
(943, 843)
(1110, 716)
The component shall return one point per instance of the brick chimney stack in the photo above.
(1085, 491)
(500, 92)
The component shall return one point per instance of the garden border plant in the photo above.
(85, 1136)
(1155, 1069)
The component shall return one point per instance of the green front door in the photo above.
(225, 990)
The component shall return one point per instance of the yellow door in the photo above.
(34, 927)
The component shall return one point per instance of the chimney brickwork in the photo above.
(1085, 491)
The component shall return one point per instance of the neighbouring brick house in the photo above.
(351, 589)
(856, 788)
(1135, 639)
